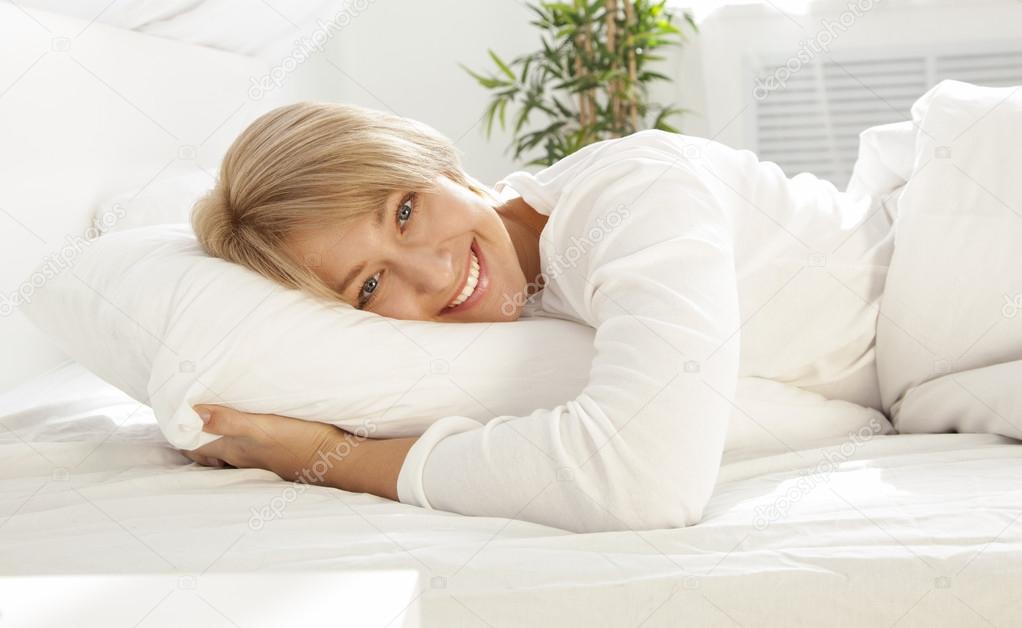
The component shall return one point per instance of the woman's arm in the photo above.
(640, 447)
(303, 451)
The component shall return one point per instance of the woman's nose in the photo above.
(431, 271)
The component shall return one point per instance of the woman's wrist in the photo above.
(381, 464)
(359, 465)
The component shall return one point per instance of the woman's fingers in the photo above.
(191, 455)
(208, 461)
(214, 454)
(256, 440)
(223, 421)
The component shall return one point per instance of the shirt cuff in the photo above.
(409, 478)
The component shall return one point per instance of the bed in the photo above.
(905, 530)
(103, 523)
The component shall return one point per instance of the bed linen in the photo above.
(863, 530)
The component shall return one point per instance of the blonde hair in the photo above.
(313, 165)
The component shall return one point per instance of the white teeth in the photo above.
(470, 284)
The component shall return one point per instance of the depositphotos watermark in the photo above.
(569, 257)
(811, 478)
(315, 473)
(820, 43)
(305, 48)
(59, 262)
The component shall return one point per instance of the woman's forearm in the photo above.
(312, 452)
(359, 465)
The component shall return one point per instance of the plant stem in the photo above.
(630, 23)
(613, 89)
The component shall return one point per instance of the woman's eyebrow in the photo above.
(380, 214)
(354, 272)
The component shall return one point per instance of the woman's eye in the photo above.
(368, 288)
(404, 210)
(404, 214)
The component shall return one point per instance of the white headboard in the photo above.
(88, 110)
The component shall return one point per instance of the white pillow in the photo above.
(953, 298)
(167, 200)
(241, 26)
(148, 311)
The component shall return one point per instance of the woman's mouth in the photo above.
(474, 285)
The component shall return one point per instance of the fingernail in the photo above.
(204, 415)
(216, 462)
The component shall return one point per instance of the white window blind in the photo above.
(810, 120)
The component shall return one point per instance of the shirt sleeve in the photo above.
(640, 446)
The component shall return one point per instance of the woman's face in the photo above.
(440, 256)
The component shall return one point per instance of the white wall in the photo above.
(403, 55)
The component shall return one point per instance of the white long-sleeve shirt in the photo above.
(650, 240)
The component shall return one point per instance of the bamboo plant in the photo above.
(591, 79)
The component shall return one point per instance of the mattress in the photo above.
(99, 513)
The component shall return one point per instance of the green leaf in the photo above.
(523, 116)
(502, 107)
(667, 27)
(469, 70)
(558, 6)
(525, 69)
(488, 82)
(661, 120)
(564, 111)
(503, 66)
(691, 21)
(663, 126)
(490, 109)
(652, 76)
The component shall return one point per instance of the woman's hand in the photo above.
(280, 444)
(303, 451)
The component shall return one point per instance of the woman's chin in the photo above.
(506, 313)
(510, 310)
(501, 316)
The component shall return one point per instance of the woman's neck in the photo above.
(524, 224)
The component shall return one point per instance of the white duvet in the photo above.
(949, 337)
(881, 530)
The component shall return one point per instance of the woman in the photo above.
(666, 245)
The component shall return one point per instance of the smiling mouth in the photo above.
(476, 281)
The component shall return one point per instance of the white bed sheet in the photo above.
(906, 530)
